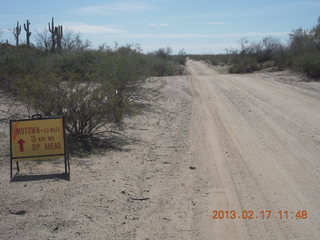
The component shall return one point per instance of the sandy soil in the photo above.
(257, 141)
(208, 141)
(139, 192)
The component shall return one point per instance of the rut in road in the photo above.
(257, 145)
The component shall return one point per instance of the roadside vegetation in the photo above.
(60, 74)
(301, 53)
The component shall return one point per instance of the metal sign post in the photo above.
(37, 139)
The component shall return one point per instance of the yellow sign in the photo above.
(34, 139)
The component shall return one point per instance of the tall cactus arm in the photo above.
(28, 33)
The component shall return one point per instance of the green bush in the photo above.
(79, 64)
(17, 62)
(300, 53)
(94, 90)
(246, 65)
(309, 64)
(181, 58)
(162, 63)
(89, 108)
(160, 67)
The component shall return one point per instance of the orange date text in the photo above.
(264, 214)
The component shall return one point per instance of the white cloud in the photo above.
(158, 25)
(165, 36)
(5, 30)
(203, 36)
(91, 29)
(212, 23)
(106, 8)
(249, 34)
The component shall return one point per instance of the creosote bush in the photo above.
(163, 63)
(301, 53)
(93, 89)
(247, 65)
(60, 75)
(309, 63)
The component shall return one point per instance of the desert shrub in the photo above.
(315, 33)
(124, 70)
(269, 49)
(300, 41)
(247, 65)
(94, 90)
(71, 42)
(180, 58)
(281, 58)
(309, 64)
(17, 62)
(164, 53)
(159, 67)
(5, 48)
(266, 64)
(300, 53)
(162, 63)
(88, 108)
(78, 64)
(214, 61)
(257, 55)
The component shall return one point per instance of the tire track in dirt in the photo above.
(256, 160)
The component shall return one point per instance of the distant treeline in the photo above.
(301, 53)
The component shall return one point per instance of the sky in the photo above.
(197, 26)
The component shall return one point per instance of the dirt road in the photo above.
(205, 141)
(257, 142)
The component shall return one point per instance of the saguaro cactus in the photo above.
(52, 31)
(59, 34)
(16, 32)
(28, 33)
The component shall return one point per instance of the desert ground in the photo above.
(206, 141)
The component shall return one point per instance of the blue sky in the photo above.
(198, 26)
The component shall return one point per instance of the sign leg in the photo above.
(69, 164)
(65, 165)
(10, 168)
(18, 168)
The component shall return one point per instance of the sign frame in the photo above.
(65, 155)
